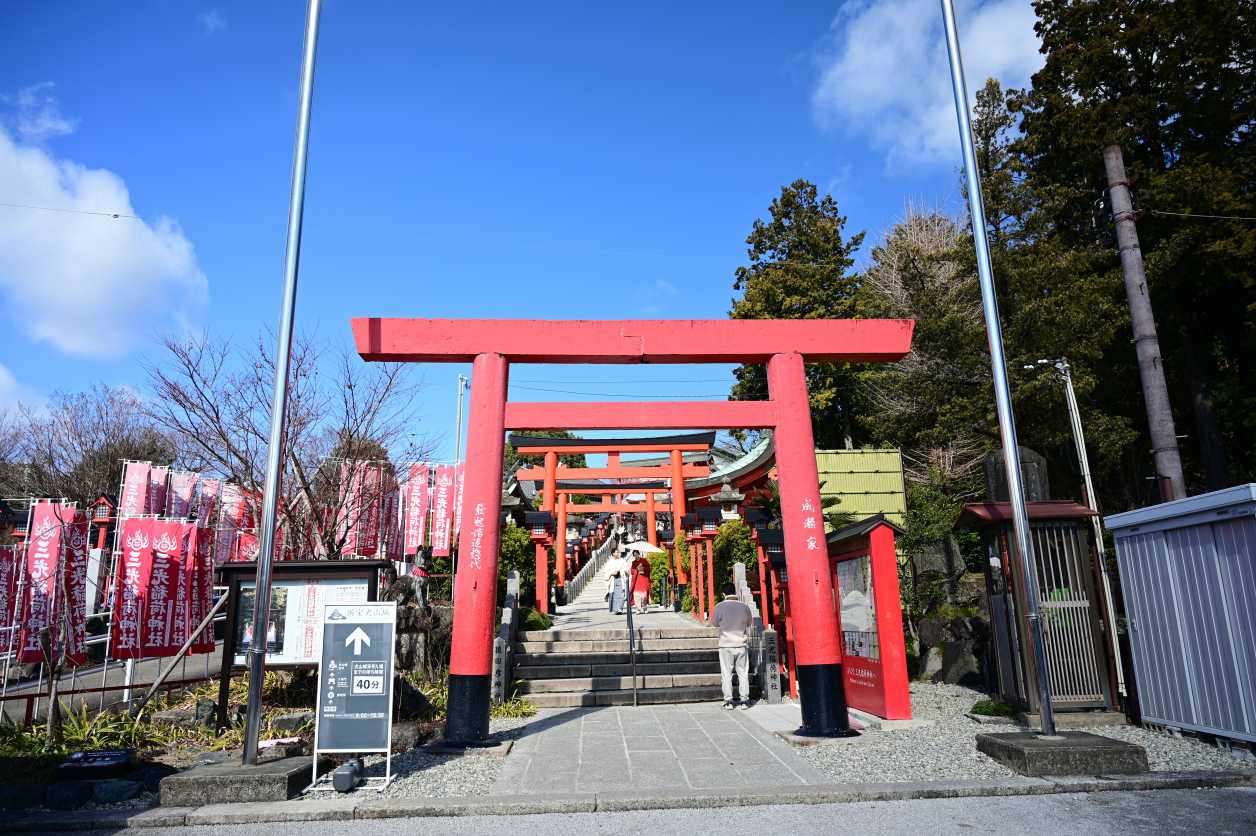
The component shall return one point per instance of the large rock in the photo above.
(405, 736)
(113, 792)
(930, 663)
(412, 702)
(21, 796)
(206, 712)
(181, 717)
(292, 722)
(68, 795)
(931, 631)
(958, 665)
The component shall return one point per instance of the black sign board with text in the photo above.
(355, 678)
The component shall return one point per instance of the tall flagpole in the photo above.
(283, 352)
(998, 363)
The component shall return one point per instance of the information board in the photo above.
(355, 677)
(294, 634)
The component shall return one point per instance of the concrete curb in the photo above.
(358, 807)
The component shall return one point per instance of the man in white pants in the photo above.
(733, 619)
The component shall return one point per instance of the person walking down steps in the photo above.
(733, 619)
(617, 581)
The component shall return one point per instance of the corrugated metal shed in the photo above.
(867, 482)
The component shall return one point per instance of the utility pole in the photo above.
(464, 383)
(998, 369)
(279, 404)
(1150, 364)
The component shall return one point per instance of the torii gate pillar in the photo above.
(821, 688)
(475, 588)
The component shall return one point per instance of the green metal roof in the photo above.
(866, 481)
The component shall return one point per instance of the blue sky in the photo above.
(546, 160)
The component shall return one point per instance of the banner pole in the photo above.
(998, 364)
(283, 353)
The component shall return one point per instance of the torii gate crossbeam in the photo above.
(784, 345)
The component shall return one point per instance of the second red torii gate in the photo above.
(784, 345)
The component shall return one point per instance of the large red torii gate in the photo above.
(784, 345)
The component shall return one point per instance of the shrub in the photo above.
(993, 708)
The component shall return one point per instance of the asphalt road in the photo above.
(1219, 812)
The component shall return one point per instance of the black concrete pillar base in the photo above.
(467, 716)
(680, 596)
(560, 596)
(822, 693)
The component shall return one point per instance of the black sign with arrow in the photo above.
(355, 678)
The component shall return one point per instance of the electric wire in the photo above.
(1215, 217)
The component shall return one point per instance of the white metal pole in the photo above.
(998, 363)
(283, 353)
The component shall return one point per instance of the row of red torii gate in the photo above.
(492, 346)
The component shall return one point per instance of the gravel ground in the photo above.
(418, 775)
(948, 750)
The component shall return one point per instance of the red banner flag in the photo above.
(369, 512)
(135, 490)
(349, 520)
(157, 479)
(207, 501)
(43, 558)
(247, 547)
(182, 489)
(416, 508)
(75, 580)
(203, 587)
(224, 543)
(135, 568)
(232, 507)
(162, 598)
(392, 533)
(442, 502)
(462, 478)
(10, 565)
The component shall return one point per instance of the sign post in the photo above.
(355, 685)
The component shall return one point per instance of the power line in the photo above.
(1215, 217)
(378, 235)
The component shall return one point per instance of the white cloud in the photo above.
(886, 75)
(211, 21)
(37, 116)
(86, 284)
(11, 392)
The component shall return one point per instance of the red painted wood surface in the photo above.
(812, 606)
(680, 415)
(632, 341)
(475, 588)
(693, 471)
(880, 686)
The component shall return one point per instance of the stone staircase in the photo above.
(563, 668)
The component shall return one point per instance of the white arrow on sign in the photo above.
(356, 638)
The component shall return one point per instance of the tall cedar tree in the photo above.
(801, 268)
(1172, 84)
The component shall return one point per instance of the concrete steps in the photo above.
(567, 668)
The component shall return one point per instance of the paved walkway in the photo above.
(590, 612)
(650, 747)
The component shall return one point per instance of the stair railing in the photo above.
(593, 568)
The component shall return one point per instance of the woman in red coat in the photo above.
(641, 583)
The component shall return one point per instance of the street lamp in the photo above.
(1061, 369)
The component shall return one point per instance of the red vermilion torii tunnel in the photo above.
(492, 345)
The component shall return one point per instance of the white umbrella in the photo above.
(643, 547)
